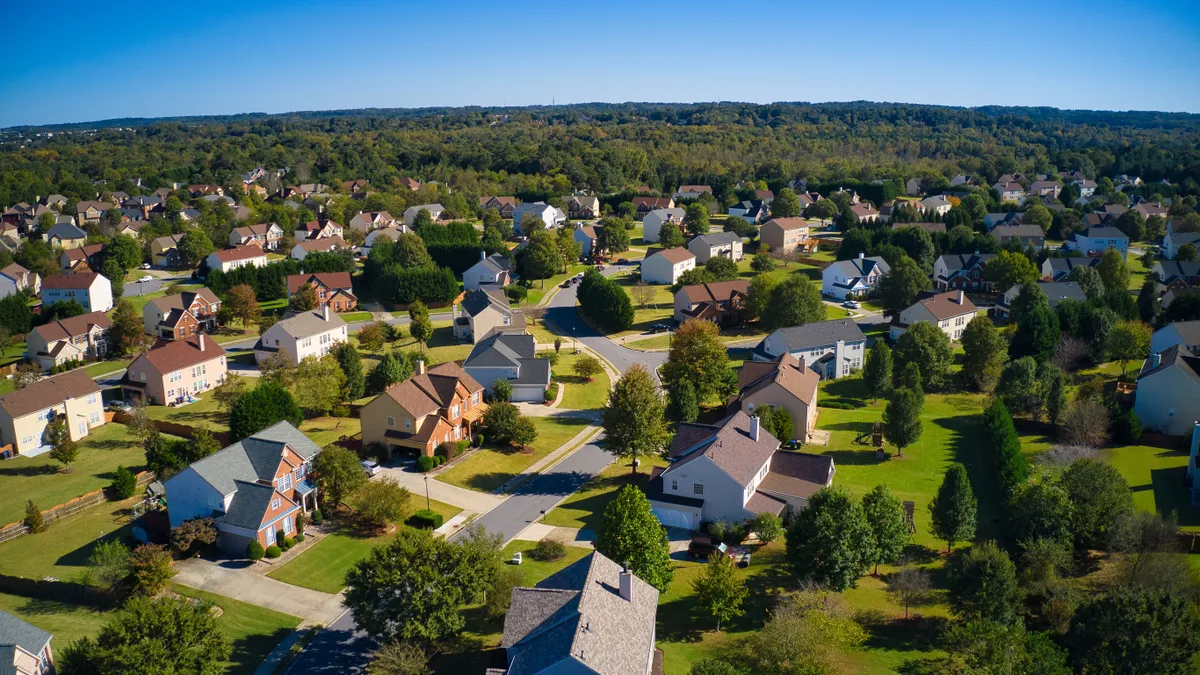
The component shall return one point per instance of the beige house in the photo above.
(441, 405)
(176, 371)
(164, 250)
(265, 235)
(24, 648)
(323, 245)
(950, 311)
(301, 335)
(233, 258)
(25, 414)
(785, 383)
(77, 338)
(180, 316)
(483, 311)
(318, 229)
(784, 235)
(665, 266)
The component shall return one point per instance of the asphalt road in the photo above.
(339, 648)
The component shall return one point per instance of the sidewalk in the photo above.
(243, 583)
(468, 500)
(550, 459)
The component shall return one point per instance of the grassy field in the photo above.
(66, 621)
(580, 394)
(104, 367)
(352, 317)
(487, 469)
(63, 550)
(39, 478)
(584, 508)
(650, 344)
(253, 631)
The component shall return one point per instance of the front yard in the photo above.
(487, 468)
(253, 631)
(579, 394)
(584, 508)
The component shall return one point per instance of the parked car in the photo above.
(851, 304)
(145, 266)
(623, 261)
(145, 279)
(516, 559)
(371, 467)
(659, 327)
(119, 405)
(703, 546)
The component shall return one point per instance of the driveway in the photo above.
(468, 500)
(235, 579)
(340, 648)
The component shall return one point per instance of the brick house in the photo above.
(333, 289)
(441, 405)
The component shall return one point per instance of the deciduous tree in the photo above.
(794, 301)
(985, 352)
(634, 425)
(830, 542)
(900, 286)
(877, 372)
(629, 532)
(338, 474)
(983, 585)
(889, 528)
(927, 346)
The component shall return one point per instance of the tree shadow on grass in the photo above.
(42, 607)
(250, 650)
(1171, 497)
(594, 505)
(847, 388)
(29, 471)
(917, 633)
(79, 557)
(488, 481)
(109, 444)
(967, 449)
(855, 457)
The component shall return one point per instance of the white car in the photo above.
(145, 266)
(371, 467)
(145, 279)
(851, 304)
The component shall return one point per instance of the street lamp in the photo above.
(427, 494)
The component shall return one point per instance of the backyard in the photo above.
(487, 469)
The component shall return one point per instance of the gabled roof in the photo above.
(860, 267)
(727, 444)
(715, 291)
(1103, 233)
(863, 210)
(179, 354)
(183, 300)
(78, 281)
(819, 334)
(1175, 356)
(955, 262)
(792, 223)
(799, 474)
(308, 324)
(335, 280)
(672, 255)
(496, 263)
(510, 350)
(250, 502)
(1188, 330)
(654, 203)
(72, 326)
(1002, 231)
(945, 305)
(424, 394)
(481, 298)
(48, 392)
(786, 370)
(717, 239)
(259, 229)
(238, 253)
(17, 633)
(254, 458)
(322, 244)
(1178, 268)
(65, 231)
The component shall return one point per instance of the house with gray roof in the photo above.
(410, 214)
(1056, 292)
(832, 349)
(1168, 391)
(552, 216)
(593, 616)
(1028, 235)
(512, 357)
(1094, 241)
(494, 269)
(484, 311)
(65, 235)
(854, 278)
(1059, 269)
(301, 335)
(25, 648)
(253, 489)
(716, 245)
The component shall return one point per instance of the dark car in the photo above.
(623, 261)
(703, 546)
(659, 327)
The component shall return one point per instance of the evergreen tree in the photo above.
(877, 372)
(953, 508)
(629, 533)
(1147, 302)
(985, 352)
(683, 405)
(1004, 446)
(351, 364)
(33, 518)
(983, 585)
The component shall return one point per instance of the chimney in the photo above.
(420, 366)
(482, 255)
(861, 255)
(626, 583)
(325, 311)
(1156, 360)
(202, 342)
(961, 297)
(754, 429)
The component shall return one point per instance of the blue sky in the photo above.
(81, 60)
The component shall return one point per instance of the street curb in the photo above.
(570, 451)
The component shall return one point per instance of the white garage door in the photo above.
(672, 517)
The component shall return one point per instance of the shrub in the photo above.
(34, 519)
(299, 526)
(448, 450)
(281, 539)
(839, 405)
(718, 529)
(255, 551)
(463, 445)
(551, 393)
(548, 550)
(734, 534)
(1127, 428)
(317, 517)
(299, 538)
(124, 484)
(439, 459)
(273, 552)
(425, 519)
(479, 440)
(501, 390)
(288, 542)
(425, 463)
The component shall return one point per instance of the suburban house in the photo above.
(950, 311)
(652, 222)
(689, 192)
(732, 471)
(503, 205)
(304, 334)
(323, 245)
(356, 186)
(1010, 191)
(582, 207)
(1087, 187)
(1173, 293)
(87, 258)
(962, 179)
(785, 383)
(912, 186)
(165, 252)
(1045, 188)
(645, 205)
(552, 216)
(181, 316)
(25, 414)
(587, 236)
(854, 278)
(1173, 240)
(91, 290)
(231, 259)
(1059, 269)
(1186, 334)
(65, 236)
(410, 183)
(1148, 209)
(1056, 292)
(485, 310)
(1028, 235)
(937, 205)
(265, 235)
(251, 489)
(1168, 391)
(322, 228)
(716, 245)
(491, 270)
(75, 338)
(1172, 274)
(512, 357)
(961, 271)
(389, 233)
(90, 212)
(175, 371)
(435, 212)
(432, 407)
(665, 266)
(333, 289)
(201, 190)
(593, 616)
(784, 235)
(994, 220)
(752, 211)
(864, 212)
(1095, 240)
(25, 648)
(365, 221)
(720, 301)
(15, 279)
(831, 349)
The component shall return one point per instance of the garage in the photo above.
(676, 515)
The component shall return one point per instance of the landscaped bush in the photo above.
(735, 534)
(448, 450)
(288, 543)
(281, 540)
(839, 405)
(299, 538)
(255, 551)
(718, 529)
(317, 516)
(1126, 427)
(548, 550)
(299, 526)
(425, 519)
(273, 552)
(551, 392)
(425, 463)
(124, 484)
(463, 445)
(479, 440)
(439, 460)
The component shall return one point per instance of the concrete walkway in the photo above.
(237, 580)
(468, 500)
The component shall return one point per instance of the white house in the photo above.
(753, 211)
(717, 244)
(304, 334)
(950, 311)
(552, 216)
(854, 278)
(14, 279)
(1168, 391)
(512, 357)
(936, 204)
(665, 266)
(832, 349)
(494, 269)
(1095, 240)
(652, 222)
(231, 259)
(90, 289)
(1186, 334)
(1174, 240)
(435, 211)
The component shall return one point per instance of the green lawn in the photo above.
(487, 469)
(203, 414)
(649, 344)
(39, 478)
(584, 508)
(105, 367)
(352, 317)
(63, 550)
(253, 631)
(580, 394)
(66, 621)
(326, 430)
(140, 301)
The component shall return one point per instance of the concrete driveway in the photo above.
(236, 579)
(468, 500)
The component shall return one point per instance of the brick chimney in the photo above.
(626, 585)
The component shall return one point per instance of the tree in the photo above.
(670, 236)
(338, 473)
(877, 372)
(125, 250)
(1187, 253)
(1004, 446)
(587, 367)
(191, 532)
(889, 528)
(633, 421)
(1037, 334)
(1039, 509)
(794, 301)
(1128, 341)
(902, 419)
(721, 268)
(767, 527)
(1008, 269)
(543, 258)
(163, 635)
(605, 302)
(1086, 423)
(383, 501)
(420, 327)
(373, 336)
(355, 386)
(786, 204)
(778, 422)
(63, 449)
(830, 542)
(1147, 302)
(1099, 498)
(501, 390)
(985, 352)
(822, 209)
(123, 484)
(953, 508)
(401, 658)
(305, 298)
(757, 295)
(1136, 631)
(698, 356)
(241, 301)
(265, 405)
(15, 315)
(719, 591)
(909, 586)
(128, 334)
(1038, 215)
(1089, 281)
(808, 633)
(900, 286)
(34, 519)
(762, 262)
(108, 564)
(643, 293)
(319, 383)
(682, 405)
(983, 585)
(193, 247)
(150, 569)
(1113, 271)
(629, 532)
(409, 250)
(1132, 224)
(695, 219)
(927, 346)
(112, 270)
(227, 393)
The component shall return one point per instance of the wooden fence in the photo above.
(73, 507)
(174, 428)
(59, 591)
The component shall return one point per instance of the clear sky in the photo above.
(80, 60)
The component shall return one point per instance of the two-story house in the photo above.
(1175, 274)
(785, 383)
(200, 189)
(75, 338)
(588, 238)
(441, 405)
(1148, 209)
(1059, 269)
(937, 205)
(717, 244)
(1056, 292)
(1045, 188)
(1010, 191)
(164, 251)
(252, 489)
(323, 245)
(25, 414)
(333, 289)
(175, 371)
(181, 316)
(784, 235)
(90, 212)
(831, 349)
(950, 312)
(720, 302)
(89, 289)
(653, 221)
(665, 266)
(582, 207)
(318, 229)
(753, 211)
(25, 648)
(301, 335)
(961, 271)
(87, 258)
(265, 235)
(491, 270)
(435, 212)
(689, 192)
(507, 356)
(65, 236)
(231, 259)
(1096, 240)
(855, 278)
(483, 311)
(643, 206)
(16, 279)
(1168, 391)
(864, 212)
(503, 205)
(1186, 334)
(1028, 235)
(550, 216)
(365, 221)
(732, 471)
(1174, 240)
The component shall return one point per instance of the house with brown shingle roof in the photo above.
(441, 405)
(1168, 391)
(687, 192)
(318, 229)
(264, 235)
(333, 289)
(76, 338)
(93, 291)
(14, 279)
(864, 212)
(644, 205)
(365, 221)
(323, 245)
(665, 266)
(950, 312)
(82, 259)
(720, 302)
(786, 383)
(784, 235)
(175, 371)
(234, 258)
(25, 414)
(183, 315)
(505, 206)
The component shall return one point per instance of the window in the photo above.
(407, 423)
(698, 488)
(275, 503)
(674, 486)
(454, 411)
(27, 440)
(94, 418)
(91, 398)
(457, 433)
(287, 525)
(391, 422)
(285, 481)
(299, 473)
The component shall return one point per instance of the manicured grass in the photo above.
(104, 367)
(63, 550)
(544, 335)
(39, 478)
(585, 508)
(442, 346)
(12, 354)
(140, 301)
(580, 394)
(487, 469)
(326, 430)
(6, 385)
(203, 414)
(352, 317)
(1156, 478)
(656, 342)
(253, 631)
(66, 621)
